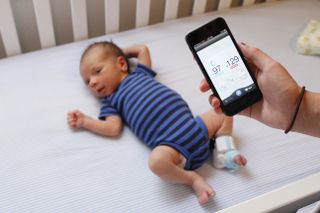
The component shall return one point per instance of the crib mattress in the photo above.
(47, 167)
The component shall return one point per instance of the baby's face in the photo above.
(102, 74)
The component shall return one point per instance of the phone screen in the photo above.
(225, 67)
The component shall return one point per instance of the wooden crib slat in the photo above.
(248, 2)
(223, 4)
(112, 16)
(199, 6)
(44, 22)
(142, 13)
(8, 29)
(79, 19)
(171, 9)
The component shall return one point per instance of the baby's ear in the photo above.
(122, 63)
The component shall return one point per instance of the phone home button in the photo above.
(238, 93)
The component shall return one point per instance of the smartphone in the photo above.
(224, 67)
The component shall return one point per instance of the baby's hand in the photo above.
(76, 119)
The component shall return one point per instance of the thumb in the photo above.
(255, 56)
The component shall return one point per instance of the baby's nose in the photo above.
(93, 83)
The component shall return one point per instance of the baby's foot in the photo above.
(203, 190)
(240, 160)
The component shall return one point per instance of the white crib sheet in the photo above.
(46, 167)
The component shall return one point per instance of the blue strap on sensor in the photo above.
(229, 160)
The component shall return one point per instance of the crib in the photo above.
(47, 167)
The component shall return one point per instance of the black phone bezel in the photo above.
(214, 28)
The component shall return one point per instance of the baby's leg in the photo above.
(165, 162)
(219, 124)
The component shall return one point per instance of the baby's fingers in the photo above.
(70, 116)
(72, 123)
(72, 119)
(78, 114)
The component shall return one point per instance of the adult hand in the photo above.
(280, 91)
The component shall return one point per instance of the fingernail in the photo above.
(210, 99)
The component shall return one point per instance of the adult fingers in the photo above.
(204, 86)
(215, 103)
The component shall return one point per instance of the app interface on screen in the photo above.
(225, 67)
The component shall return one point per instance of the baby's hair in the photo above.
(109, 47)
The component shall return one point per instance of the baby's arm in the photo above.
(139, 51)
(112, 126)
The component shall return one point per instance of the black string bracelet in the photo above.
(296, 110)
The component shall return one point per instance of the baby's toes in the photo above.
(240, 160)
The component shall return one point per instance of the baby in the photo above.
(156, 114)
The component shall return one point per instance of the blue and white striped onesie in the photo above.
(158, 116)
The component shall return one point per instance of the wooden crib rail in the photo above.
(44, 23)
(42, 9)
(8, 30)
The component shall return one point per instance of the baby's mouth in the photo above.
(100, 89)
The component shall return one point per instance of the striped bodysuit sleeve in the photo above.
(107, 109)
